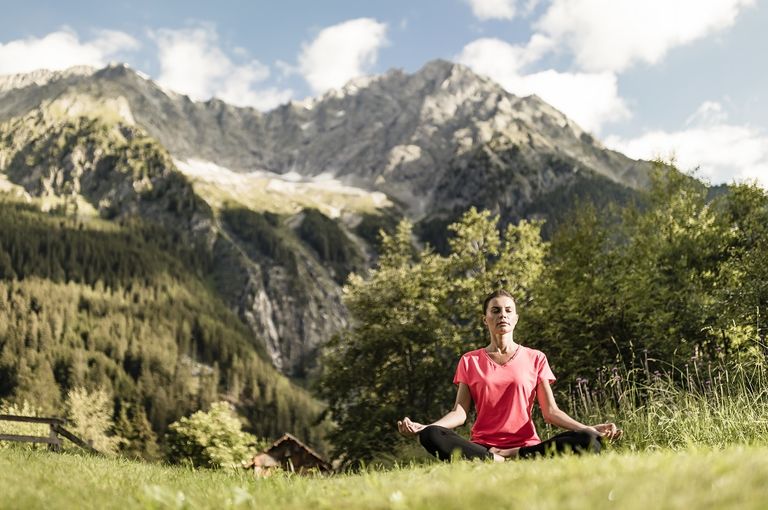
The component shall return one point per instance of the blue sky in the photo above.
(648, 77)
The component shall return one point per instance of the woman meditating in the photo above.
(502, 380)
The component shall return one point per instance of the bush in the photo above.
(210, 439)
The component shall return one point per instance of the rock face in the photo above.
(280, 198)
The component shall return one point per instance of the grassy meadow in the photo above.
(732, 477)
(697, 443)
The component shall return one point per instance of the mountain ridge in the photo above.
(425, 145)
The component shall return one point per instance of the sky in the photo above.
(682, 79)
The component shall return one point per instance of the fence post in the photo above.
(55, 443)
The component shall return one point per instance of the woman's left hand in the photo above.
(409, 428)
(608, 430)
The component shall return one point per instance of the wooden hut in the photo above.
(288, 453)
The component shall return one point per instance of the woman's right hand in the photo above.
(409, 428)
(608, 430)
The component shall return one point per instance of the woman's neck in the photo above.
(502, 343)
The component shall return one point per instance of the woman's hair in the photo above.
(495, 294)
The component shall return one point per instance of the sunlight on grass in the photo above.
(692, 478)
(694, 442)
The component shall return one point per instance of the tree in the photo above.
(90, 415)
(741, 289)
(576, 307)
(139, 441)
(681, 274)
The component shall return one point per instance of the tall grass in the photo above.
(701, 403)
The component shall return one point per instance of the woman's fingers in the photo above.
(609, 430)
(604, 429)
(412, 425)
(408, 428)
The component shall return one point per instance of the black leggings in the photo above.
(442, 442)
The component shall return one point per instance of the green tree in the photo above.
(575, 306)
(90, 416)
(741, 289)
(138, 438)
(680, 275)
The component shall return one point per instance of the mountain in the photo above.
(287, 203)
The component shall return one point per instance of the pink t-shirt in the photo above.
(504, 395)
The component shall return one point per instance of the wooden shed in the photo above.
(288, 453)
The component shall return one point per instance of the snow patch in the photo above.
(290, 183)
(210, 172)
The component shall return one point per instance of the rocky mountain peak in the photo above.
(447, 75)
(41, 77)
(426, 145)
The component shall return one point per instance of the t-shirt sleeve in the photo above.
(545, 373)
(461, 372)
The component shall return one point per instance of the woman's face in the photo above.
(500, 315)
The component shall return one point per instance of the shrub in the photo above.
(210, 439)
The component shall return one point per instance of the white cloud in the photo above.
(192, 63)
(492, 9)
(590, 99)
(709, 113)
(611, 35)
(61, 50)
(342, 52)
(723, 152)
(499, 59)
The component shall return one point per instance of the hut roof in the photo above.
(290, 437)
(272, 456)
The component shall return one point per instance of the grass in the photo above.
(699, 442)
(733, 477)
(695, 438)
(703, 403)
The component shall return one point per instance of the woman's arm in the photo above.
(556, 416)
(454, 418)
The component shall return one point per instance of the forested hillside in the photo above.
(124, 307)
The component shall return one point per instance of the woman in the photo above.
(502, 379)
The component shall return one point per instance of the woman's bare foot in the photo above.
(504, 453)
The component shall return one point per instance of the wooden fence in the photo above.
(56, 429)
